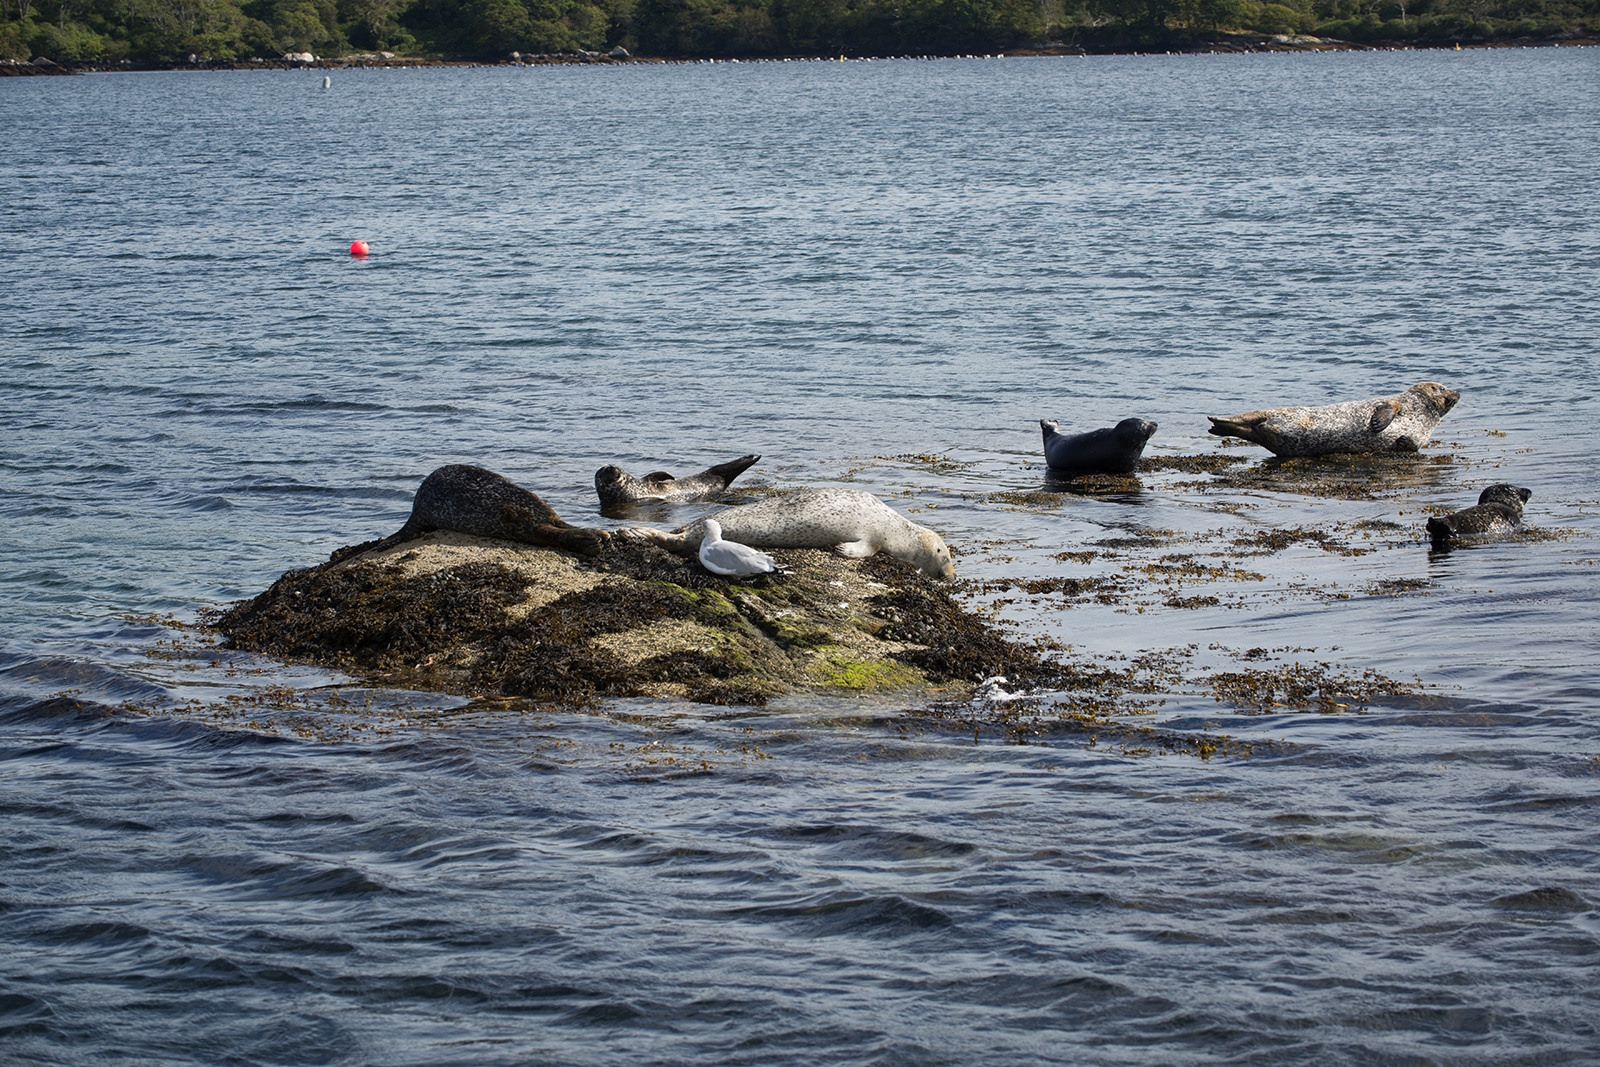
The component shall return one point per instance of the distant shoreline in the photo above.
(1234, 44)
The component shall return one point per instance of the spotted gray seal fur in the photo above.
(1400, 423)
(1498, 511)
(1112, 450)
(472, 500)
(852, 522)
(617, 487)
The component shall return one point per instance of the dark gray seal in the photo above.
(1498, 511)
(617, 486)
(1112, 450)
(1400, 423)
(479, 502)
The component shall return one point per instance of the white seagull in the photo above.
(729, 558)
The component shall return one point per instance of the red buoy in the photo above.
(358, 248)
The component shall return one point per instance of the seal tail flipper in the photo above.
(1250, 427)
(676, 542)
(583, 540)
(733, 468)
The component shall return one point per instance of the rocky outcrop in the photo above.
(452, 613)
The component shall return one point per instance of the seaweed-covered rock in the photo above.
(452, 613)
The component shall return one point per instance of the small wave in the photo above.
(48, 679)
(889, 915)
(1547, 898)
(894, 845)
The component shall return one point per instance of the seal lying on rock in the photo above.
(480, 502)
(1113, 450)
(1399, 423)
(1498, 511)
(617, 486)
(849, 521)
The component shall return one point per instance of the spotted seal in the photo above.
(476, 501)
(1400, 423)
(849, 521)
(1112, 450)
(617, 487)
(1498, 511)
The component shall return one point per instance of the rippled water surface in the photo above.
(879, 274)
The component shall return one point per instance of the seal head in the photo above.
(1113, 450)
(1403, 422)
(1498, 511)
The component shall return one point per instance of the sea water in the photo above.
(873, 274)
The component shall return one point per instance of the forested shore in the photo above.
(102, 34)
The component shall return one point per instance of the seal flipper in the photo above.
(1382, 416)
(1251, 426)
(855, 549)
(733, 468)
(658, 476)
(579, 539)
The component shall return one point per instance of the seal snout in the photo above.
(1140, 430)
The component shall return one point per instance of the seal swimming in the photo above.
(616, 486)
(1112, 450)
(852, 522)
(1498, 511)
(472, 500)
(1400, 423)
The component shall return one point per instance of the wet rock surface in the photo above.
(456, 614)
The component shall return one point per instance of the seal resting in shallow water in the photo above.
(480, 502)
(1400, 423)
(1113, 450)
(1498, 511)
(617, 486)
(852, 522)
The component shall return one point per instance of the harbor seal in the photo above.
(1498, 511)
(731, 559)
(1400, 423)
(472, 500)
(1112, 450)
(617, 487)
(852, 522)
